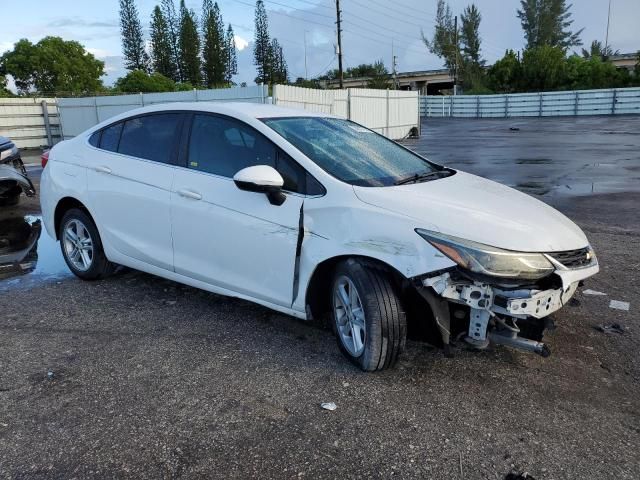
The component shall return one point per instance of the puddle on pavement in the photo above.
(27, 254)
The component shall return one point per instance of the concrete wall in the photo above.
(579, 102)
(23, 120)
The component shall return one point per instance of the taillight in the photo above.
(44, 158)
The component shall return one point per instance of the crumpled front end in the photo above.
(13, 182)
(13, 175)
(514, 312)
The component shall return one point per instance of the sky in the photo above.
(372, 29)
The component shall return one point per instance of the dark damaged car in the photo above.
(13, 175)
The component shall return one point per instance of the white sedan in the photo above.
(309, 214)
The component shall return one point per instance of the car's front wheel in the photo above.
(81, 246)
(368, 318)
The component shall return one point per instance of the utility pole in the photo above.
(340, 73)
(606, 42)
(455, 46)
(394, 66)
(306, 77)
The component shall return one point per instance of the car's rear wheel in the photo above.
(81, 246)
(368, 318)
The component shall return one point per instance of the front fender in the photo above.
(364, 232)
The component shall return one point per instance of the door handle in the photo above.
(190, 194)
(103, 169)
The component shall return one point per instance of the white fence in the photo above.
(78, 114)
(29, 122)
(390, 112)
(547, 104)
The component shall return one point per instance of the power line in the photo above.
(413, 10)
(387, 14)
(492, 48)
(325, 69)
(317, 5)
(287, 15)
(298, 9)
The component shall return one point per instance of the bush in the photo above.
(138, 81)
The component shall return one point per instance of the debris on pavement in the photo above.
(50, 375)
(329, 406)
(518, 476)
(588, 291)
(611, 328)
(619, 305)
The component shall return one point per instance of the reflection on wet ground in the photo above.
(27, 254)
(552, 158)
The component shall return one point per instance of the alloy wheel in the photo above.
(349, 316)
(78, 245)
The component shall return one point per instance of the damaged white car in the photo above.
(309, 215)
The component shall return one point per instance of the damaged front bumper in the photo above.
(494, 309)
(12, 177)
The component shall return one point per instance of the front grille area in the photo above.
(582, 257)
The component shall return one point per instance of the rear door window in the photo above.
(110, 137)
(151, 137)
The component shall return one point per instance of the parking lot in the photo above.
(139, 377)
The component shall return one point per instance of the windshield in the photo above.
(350, 152)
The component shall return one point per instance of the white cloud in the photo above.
(98, 52)
(240, 42)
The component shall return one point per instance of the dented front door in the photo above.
(234, 239)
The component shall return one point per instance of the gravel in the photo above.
(139, 377)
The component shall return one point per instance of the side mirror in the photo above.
(262, 179)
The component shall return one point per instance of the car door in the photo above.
(130, 175)
(229, 237)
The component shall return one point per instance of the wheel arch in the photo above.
(317, 295)
(64, 205)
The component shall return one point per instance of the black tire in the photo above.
(385, 319)
(100, 266)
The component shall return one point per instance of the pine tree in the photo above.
(135, 56)
(547, 22)
(261, 47)
(470, 35)
(189, 46)
(278, 72)
(443, 43)
(231, 56)
(472, 71)
(213, 47)
(162, 56)
(173, 26)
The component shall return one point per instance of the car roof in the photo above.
(234, 109)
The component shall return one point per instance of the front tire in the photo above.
(368, 319)
(81, 246)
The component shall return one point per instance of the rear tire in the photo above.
(368, 319)
(81, 246)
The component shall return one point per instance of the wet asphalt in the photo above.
(138, 377)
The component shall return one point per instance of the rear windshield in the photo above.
(350, 152)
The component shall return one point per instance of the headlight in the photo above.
(487, 260)
(8, 153)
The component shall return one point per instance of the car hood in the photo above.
(473, 208)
